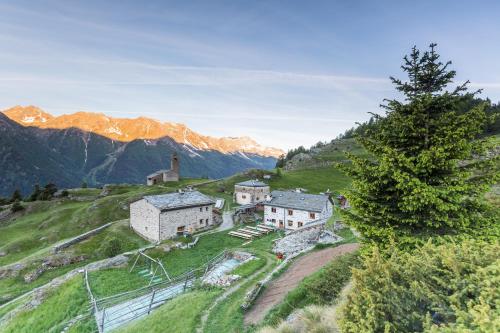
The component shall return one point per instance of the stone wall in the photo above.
(144, 220)
(249, 194)
(192, 218)
(80, 238)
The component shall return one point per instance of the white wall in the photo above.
(249, 194)
(243, 198)
(297, 216)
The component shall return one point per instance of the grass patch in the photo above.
(180, 315)
(227, 316)
(249, 267)
(177, 261)
(61, 305)
(322, 287)
(314, 180)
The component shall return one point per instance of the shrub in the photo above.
(48, 192)
(112, 248)
(16, 207)
(438, 287)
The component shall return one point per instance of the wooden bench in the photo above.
(266, 227)
(257, 229)
(251, 232)
(240, 235)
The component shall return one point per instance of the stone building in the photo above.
(162, 176)
(250, 192)
(292, 210)
(159, 217)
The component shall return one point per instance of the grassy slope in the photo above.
(69, 218)
(30, 237)
(110, 281)
(61, 305)
(180, 315)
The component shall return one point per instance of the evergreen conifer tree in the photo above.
(16, 196)
(429, 170)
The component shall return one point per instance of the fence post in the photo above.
(152, 299)
(102, 321)
(185, 282)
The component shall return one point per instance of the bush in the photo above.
(439, 287)
(16, 207)
(48, 192)
(112, 248)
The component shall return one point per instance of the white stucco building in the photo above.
(292, 210)
(250, 192)
(159, 217)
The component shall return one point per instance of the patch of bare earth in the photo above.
(277, 289)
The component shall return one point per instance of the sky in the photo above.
(286, 73)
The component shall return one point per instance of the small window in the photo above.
(273, 210)
(257, 198)
(290, 223)
(201, 221)
(206, 208)
(300, 224)
(273, 220)
(201, 209)
(290, 212)
(243, 196)
(206, 221)
(312, 215)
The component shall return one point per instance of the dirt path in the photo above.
(277, 289)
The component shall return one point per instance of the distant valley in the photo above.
(36, 147)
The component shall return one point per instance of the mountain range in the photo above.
(36, 147)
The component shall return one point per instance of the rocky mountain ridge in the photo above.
(128, 129)
(31, 155)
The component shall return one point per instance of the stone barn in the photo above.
(170, 175)
(160, 217)
(250, 192)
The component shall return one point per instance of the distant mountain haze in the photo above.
(36, 147)
(127, 129)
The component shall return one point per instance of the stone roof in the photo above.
(177, 200)
(296, 200)
(159, 172)
(252, 183)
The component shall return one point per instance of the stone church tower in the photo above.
(162, 176)
(174, 163)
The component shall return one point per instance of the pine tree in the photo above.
(428, 171)
(35, 194)
(16, 196)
